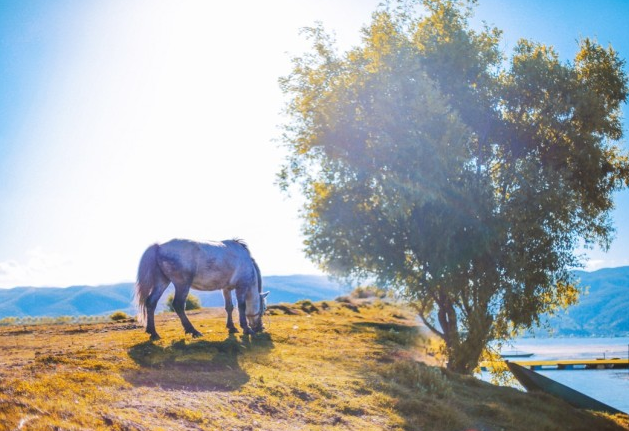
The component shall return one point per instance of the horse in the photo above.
(212, 265)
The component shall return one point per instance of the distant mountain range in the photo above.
(602, 310)
(103, 300)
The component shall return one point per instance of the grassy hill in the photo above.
(319, 366)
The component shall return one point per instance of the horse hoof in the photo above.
(233, 330)
(248, 331)
(196, 334)
(155, 337)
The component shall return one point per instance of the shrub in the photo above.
(368, 292)
(192, 302)
(343, 299)
(119, 315)
(307, 306)
(281, 309)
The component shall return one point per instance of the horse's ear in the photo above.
(265, 294)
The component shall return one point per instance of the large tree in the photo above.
(464, 180)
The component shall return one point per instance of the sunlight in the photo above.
(146, 120)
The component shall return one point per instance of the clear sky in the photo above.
(126, 122)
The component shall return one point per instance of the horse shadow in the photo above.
(196, 365)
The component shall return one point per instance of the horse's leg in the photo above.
(179, 304)
(242, 307)
(229, 307)
(161, 283)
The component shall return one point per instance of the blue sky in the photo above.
(126, 122)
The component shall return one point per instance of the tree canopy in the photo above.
(464, 179)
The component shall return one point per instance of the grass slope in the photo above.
(319, 366)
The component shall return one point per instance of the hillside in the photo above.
(321, 366)
(95, 300)
(602, 309)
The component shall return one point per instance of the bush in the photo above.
(192, 302)
(119, 315)
(368, 292)
(307, 306)
(343, 299)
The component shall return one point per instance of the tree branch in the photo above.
(431, 326)
(421, 312)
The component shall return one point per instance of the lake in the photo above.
(608, 386)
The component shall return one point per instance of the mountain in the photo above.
(71, 301)
(603, 308)
(99, 300)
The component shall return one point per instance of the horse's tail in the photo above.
(146, 280)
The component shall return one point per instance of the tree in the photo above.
(192, 302)
(464, 181)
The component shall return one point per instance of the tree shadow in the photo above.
(388, 333)
(196, 365)
(386, 326)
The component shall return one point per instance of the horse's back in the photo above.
(209, 265)
(226, 264)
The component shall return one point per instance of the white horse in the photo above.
(225, 265)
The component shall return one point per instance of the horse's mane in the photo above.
(258, 274)
(241, 242)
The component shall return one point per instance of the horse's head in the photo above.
(255, 318)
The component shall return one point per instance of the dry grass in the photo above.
(320, 366)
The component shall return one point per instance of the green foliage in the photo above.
(119, 315)
(465, 182)
(192, 302)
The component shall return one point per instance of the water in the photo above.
(608, 386)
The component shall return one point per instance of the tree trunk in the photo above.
(463, 350)
(464, 357)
